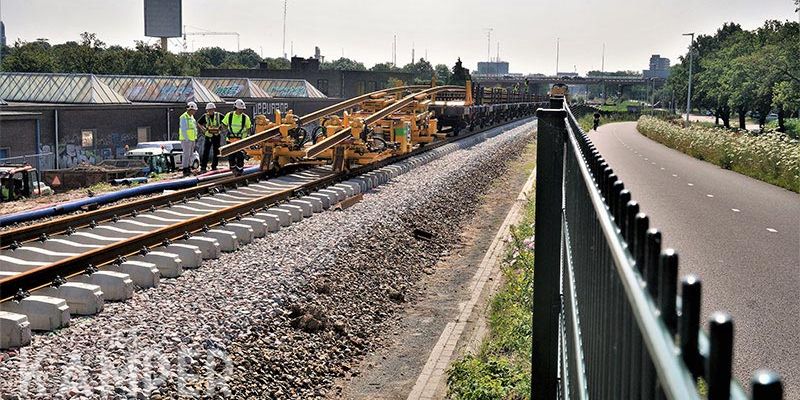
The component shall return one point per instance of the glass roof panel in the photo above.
(57, 88)
(233, 87)
(288, 88)
(160, 89)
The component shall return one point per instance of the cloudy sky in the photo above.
(362, 29)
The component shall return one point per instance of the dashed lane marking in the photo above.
(674, 175)
(736, 210)
(772, 230)
(691, 184)
(709, 195)
(662, 168)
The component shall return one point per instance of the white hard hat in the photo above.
(191, 105)
(239, 104)
(210, 106)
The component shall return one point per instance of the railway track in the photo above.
(72, 265)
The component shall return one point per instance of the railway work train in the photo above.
(377, 125)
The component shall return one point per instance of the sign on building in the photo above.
(162, 18)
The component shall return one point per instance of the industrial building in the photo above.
(61, 120)
(333, 83)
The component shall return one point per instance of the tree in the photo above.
(213, 56)
(460, 74)
(421, 71)
(29, 57)
(277, 63)
(344, 64)
(443, 74)
(384, 67)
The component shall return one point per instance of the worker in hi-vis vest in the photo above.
(238, 125)
(210, 124)
(187, 134)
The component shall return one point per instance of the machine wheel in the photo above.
(196, 164)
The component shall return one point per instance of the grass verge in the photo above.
(771, 157)
(501, 368)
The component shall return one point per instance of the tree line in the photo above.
(736, 72)
(92, 55)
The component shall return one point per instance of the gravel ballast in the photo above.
(284, 316)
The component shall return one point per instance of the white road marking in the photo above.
(662, 168)
(772, 230)
(653, 163)
(646, 159)
(709, 195)
(675, 175)
(691, 184)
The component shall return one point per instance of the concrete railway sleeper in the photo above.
(111, 260)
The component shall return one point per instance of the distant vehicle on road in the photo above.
(772, 117)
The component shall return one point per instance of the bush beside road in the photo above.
(772, 157)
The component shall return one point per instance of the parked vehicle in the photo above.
(172, 147)
(21, 181)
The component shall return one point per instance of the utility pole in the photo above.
(498, 52)
(412, 53)
(558, 54)
(603, 72)
(284, 27)
(489, 44)
(689, 93)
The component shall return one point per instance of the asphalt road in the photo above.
(741, 236)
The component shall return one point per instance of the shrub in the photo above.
(771, 157)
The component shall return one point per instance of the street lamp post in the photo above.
(689, 94)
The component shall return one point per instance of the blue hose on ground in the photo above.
(75, 205)
(105, 198)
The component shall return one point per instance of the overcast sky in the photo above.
(362, 29)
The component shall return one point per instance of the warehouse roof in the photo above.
(161, 89)
(288, 88)
(57, 88)
(234, 87)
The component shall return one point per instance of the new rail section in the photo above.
(607, 319)
(115, 249)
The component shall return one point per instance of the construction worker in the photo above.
(187, 134)
(210, 123)
(238, 125)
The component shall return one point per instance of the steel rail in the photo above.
(343, 134)
(273, 132)
(44, 275)
(60, 225)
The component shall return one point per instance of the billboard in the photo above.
(162, 18)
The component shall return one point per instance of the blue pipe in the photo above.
(105, 198)
(75, 205)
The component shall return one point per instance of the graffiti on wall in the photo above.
(104, 147)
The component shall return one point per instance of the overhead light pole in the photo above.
(689, 92)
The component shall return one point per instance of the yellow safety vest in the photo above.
(212, 121)
(238, 125)
(191, 130)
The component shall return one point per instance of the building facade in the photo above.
(659, 68)
(332, 83)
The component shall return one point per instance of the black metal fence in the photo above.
(607, 320)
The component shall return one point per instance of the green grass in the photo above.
(501, 368)
(619, 107)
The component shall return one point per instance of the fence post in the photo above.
(550, 139)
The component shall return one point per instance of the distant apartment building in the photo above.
(659, 68)
(493, 67)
